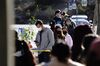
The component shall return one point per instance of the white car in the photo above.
(80, 20)
(79, 17)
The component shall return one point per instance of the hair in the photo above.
(93, 58)
(88, 39)
(60, 34)
(40, 22)
(67, 19)
(58, 11)
(63, 13)
(78, 35)
(65, 32)
(64, 27)
(80, 32)
(61, 52)
(27, 58)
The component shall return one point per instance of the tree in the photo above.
(98, 27)
(97, 16)
(50, 2)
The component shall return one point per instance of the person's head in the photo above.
(65, 30)
(58, 27)
(95, 47)
(80, 32)
(78, 35)
(26, 55)
(93, 58)
(59, 32)
(52, 24)
(39, 24)
(61, 52)
(64, 15)
(88, 39)
(68, 21)
(58, 13)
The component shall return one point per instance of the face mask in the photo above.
(58, 32)
(40, 29)
(58, 15)
(68, 23)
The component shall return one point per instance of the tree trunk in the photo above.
(3, 34)
(98, 24)
(96, 21)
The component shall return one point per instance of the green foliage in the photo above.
(49, 2)
(32, 20)
(27, 34)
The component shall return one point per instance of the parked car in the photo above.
(80, 20)
(79, 17)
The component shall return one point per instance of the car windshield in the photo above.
(80, 22)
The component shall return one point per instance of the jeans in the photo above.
(44, 57)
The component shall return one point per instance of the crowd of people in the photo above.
(69, 45)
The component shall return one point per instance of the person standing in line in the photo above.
(59, 36)
(70, 25)
(86, 42)
(68, 38)
(44, 41)
(52, 25)
(93, 58)
(22, 54)
(78, 35)
(58, 17)
(60, 56)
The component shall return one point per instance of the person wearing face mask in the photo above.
(68, 38)
(60, 37)
(44, 41)
(70, 25)
(58, 17)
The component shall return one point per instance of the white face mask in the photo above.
(58, 15)
(40, 29)
(68, 23)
